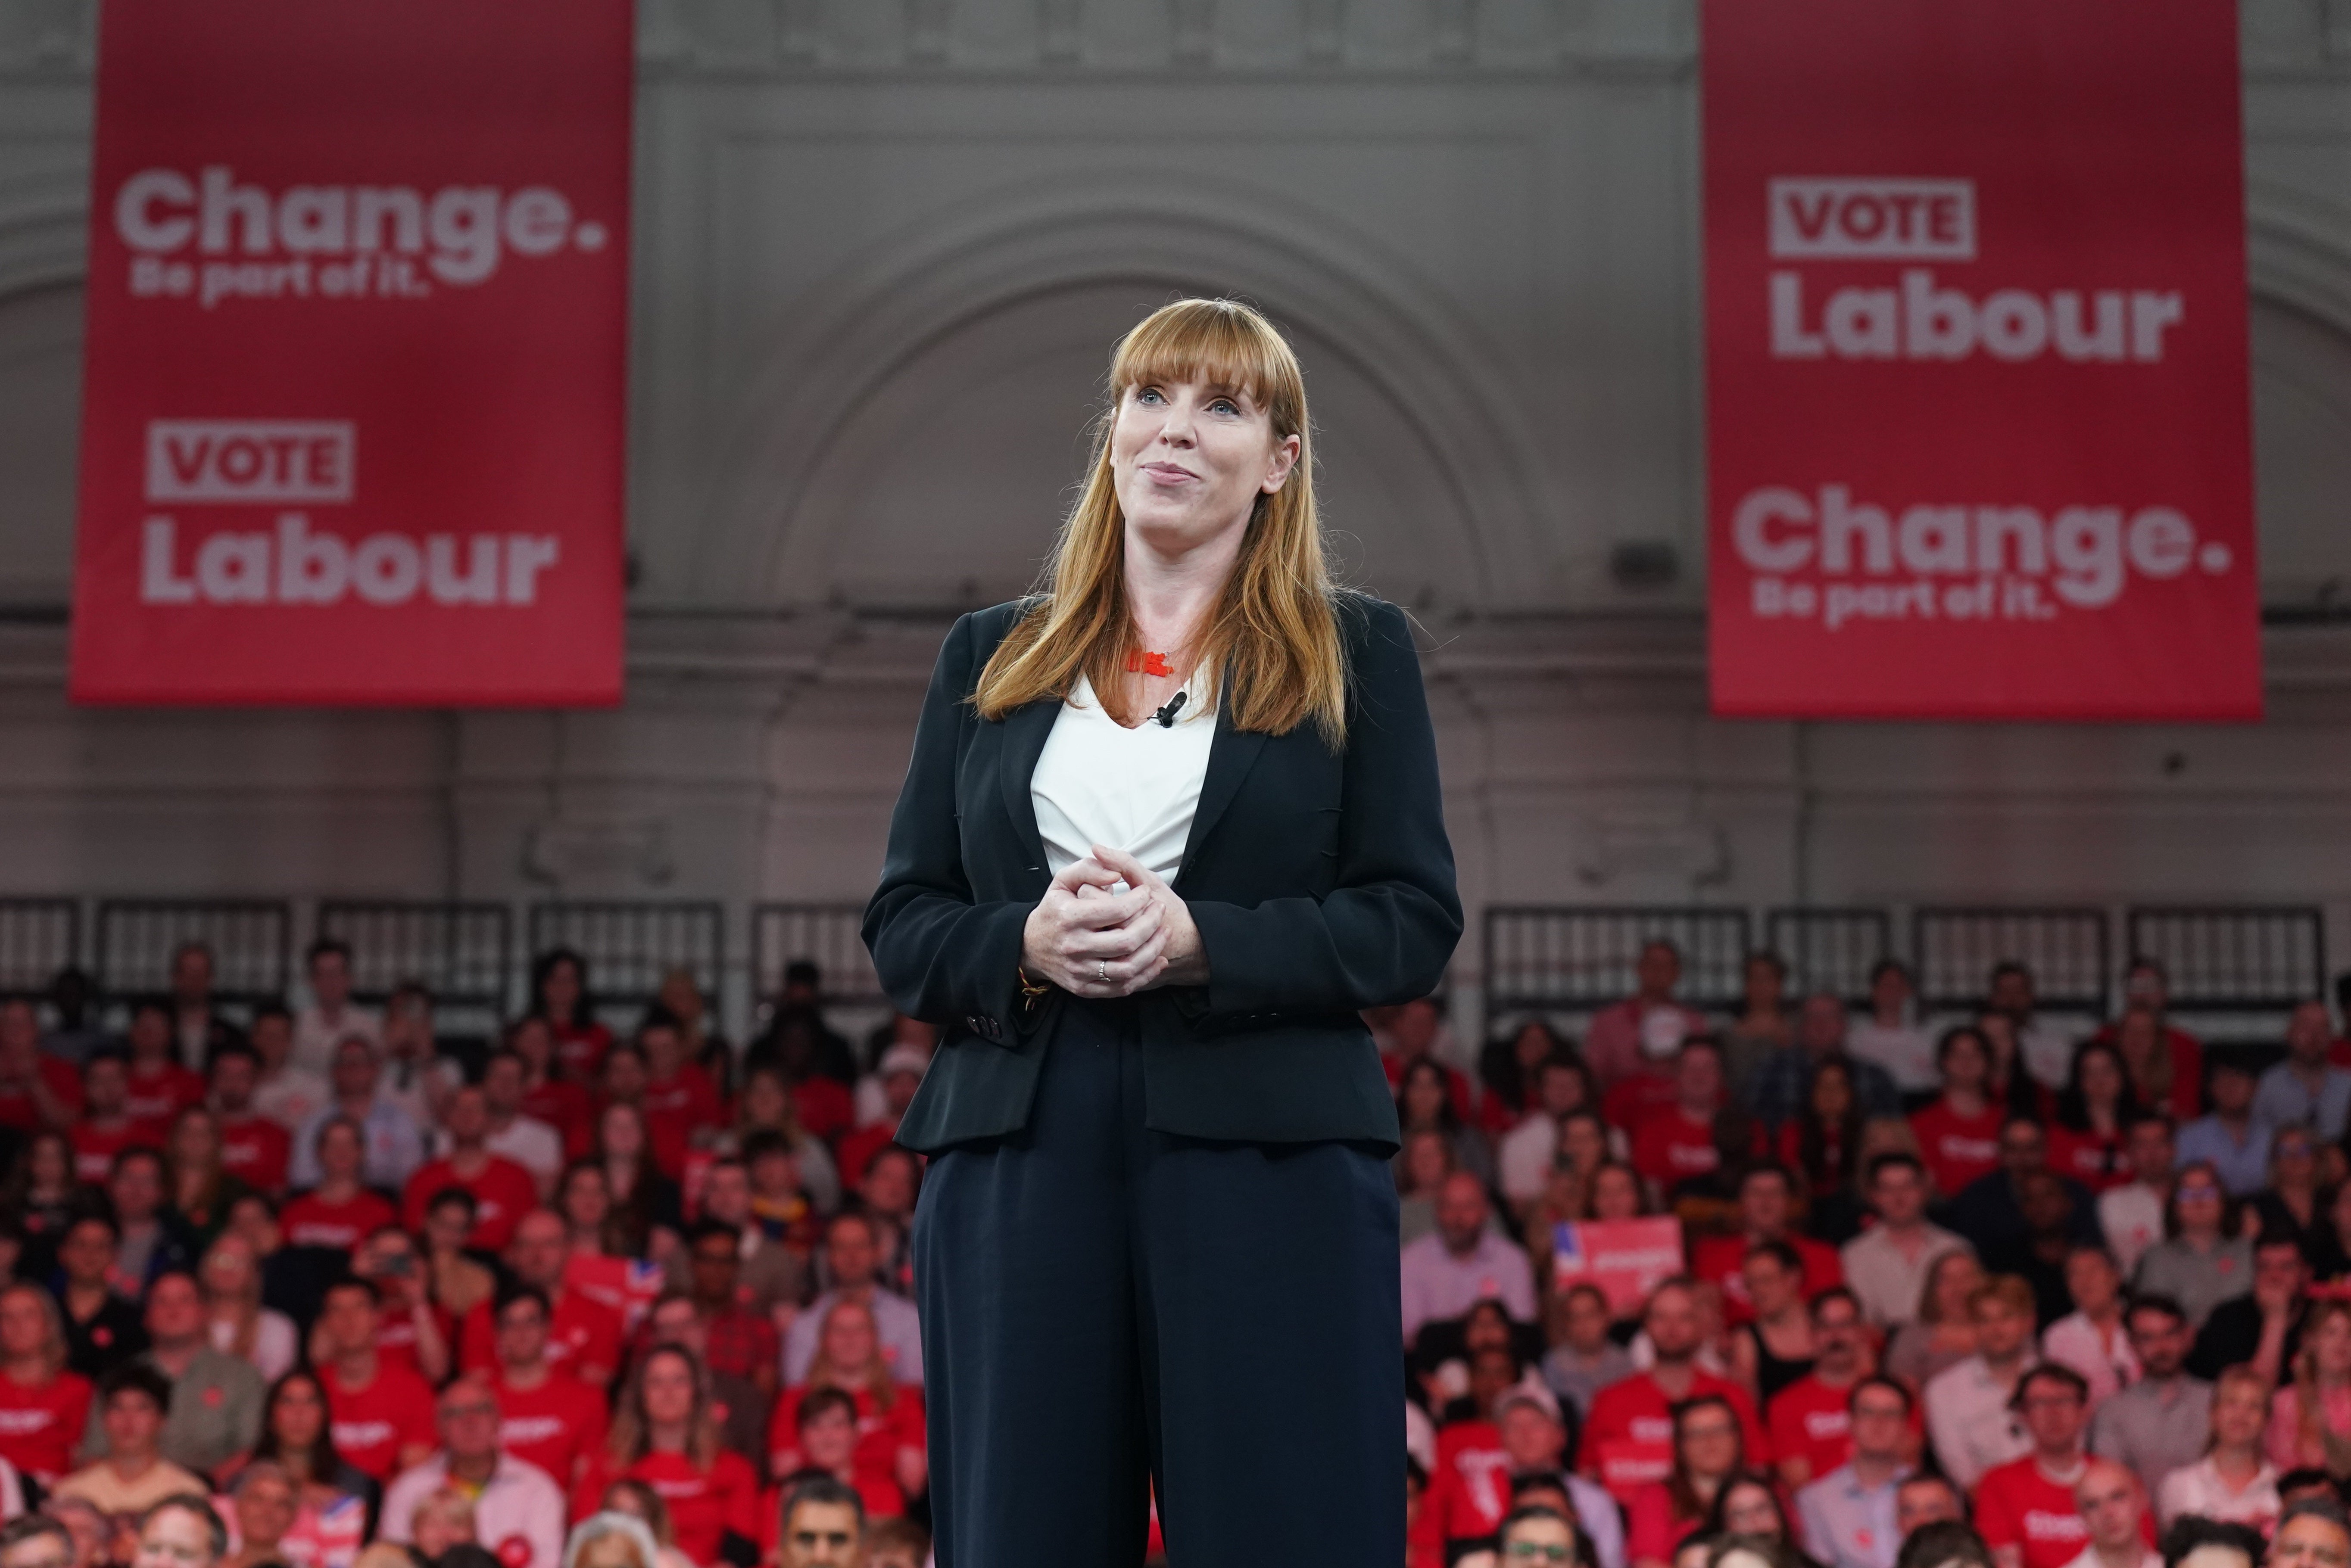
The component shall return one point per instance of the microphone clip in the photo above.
(1167, 716)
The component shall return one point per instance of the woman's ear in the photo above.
(1278, 467)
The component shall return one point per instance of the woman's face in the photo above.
(1749, 1510)
(765, 1100)
(23, 1324)
(622, 1134)
(229, 1268)
(1189, 459)
(669, 1390)
(1426, 1162)
(1710, 1442)
(1963, 1064)
(849, 1337)
(298, 1415)
(1424, 1098)
(195, 1142)
(2102, 1079)
(2239, 1410)
(587, 1199)
(1615, 1196)
(1772, 1286)
(2297, 1162)
(339, 1152)
(532, 1041)
(1533, 1045)
(2093, 1282)
(1582, 1145)
(1956, 1279)
(562, 988)
(1832, 1096)
(2330, 1347)
(52, 1165)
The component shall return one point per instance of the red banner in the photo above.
(1625, 1257)
(1980, 433)
(353, 394)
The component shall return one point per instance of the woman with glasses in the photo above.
(2204, 1259)
(1708, 1449)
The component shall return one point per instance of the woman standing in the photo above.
(1823, 1140)
(2233, 1483)
(1171, 823)
(559, 994)
(1708, 1449)
(2095, 1110)
(2310, 1428)
(2204, 1260)
(201, 1189)
(1958, 1135)
(645, 1207)
(665, 1434)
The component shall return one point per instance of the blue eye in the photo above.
(1227, 405)
(1148, 394)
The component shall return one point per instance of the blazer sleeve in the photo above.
(943, 956)
(1387, 928)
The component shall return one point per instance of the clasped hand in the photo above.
(1096, 942)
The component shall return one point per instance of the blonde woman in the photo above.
(2234, 1482)
(891, 1441)
(241, 1325)
(665, 1433)
(43, 1407)
(1944, 1334)
(613, 1538)
(2310, 1427)
(1188, 702)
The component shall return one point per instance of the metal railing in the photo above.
(2241, 958)
(631, 947)
(1830, 949)
(1581, 957)
(827, 935)
(2066, 948)
(38, 937)
(249, 941)
(460, 952)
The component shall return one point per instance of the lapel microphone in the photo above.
(1167, 716)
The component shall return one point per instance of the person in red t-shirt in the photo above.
(107, 1129)
(502, 1192)
(1707, 1456)
(253, 1148)
(664, 1434)
(2025, 1508)
(583, 1336)
(559, 994)
(2166, 1063)
(890, 1428)
(43, 1407)
(826, 1443)
(380, 1414)
(1809, 1425)
(548, 1096)
(901, 1071)
(1677, 1144)
(36, 1091)
(339, 1212)
(161, 1088)
(1765, 1199)
(1628, 1440)
(2093, 1113)
(1958, 1135)
(1410, 1036)
(678, 1099)
(548, 1418)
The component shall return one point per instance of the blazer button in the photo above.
(973, 1023)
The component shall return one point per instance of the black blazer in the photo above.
(1321, 884)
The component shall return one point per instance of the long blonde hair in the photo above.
(1272, 645)
(2308, 1399)
(630, 1436)
(873, 1376)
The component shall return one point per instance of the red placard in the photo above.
(1980, 433)
(1625, 1257)
(353, 395)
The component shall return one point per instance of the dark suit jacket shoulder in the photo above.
(1322, 883)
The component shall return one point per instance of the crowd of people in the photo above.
(2032, 1296)
(325, 1289)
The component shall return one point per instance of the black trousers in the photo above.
(1105, 1307)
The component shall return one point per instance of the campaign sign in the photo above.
(1979, 425)
(1625, 1257)
(353, 387)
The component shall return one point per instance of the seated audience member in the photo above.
(1942, 1332)
(548, 1096)
(287, 1095)
(2328, 1246)
(2093, 1113)
(769, 1273)
(456, 1280)
(2311, 1533)
(2306, 1486)
(416, 1076)
(330, 1017)
(106, 1128)
(1848, 1513)
(2196, 1543)
(1629, 1439)
(767, 1113)
(1971, 1411)
(502, 1190)
(2166, 1063)
(1463, 1261)
(641, 1502)
(2131, 1215)
(2229, 1139)
(2092, 1339)
(182, 1530)
(1766, 1199)
(1526, 1154)
(443, 1532)
(1891, 1035)
(1959, 1132)
(1509, 1066)
(149, 1236)
(1423, 1106)
(824, 1443)
(392, 1146)
(409, 1320)
(820, 1524)
(514, 1133)
(2234, 1482)
(1763, 1023)
(1991, 1214)
(1784, 1082)
(1811, 1430)
(1410, 1034)
(2025, 1508)
(160, 1087)
(647, 1207)
(198, 1188)
(742, 1343)
(583, 1337)
(1584, 1360)
(1482, 1469)
(1886, 1264)
(35, 1540)
(2262, 1328)
(1747, 1505)
(891, 1543)
(93, 1536)
(2114, 1511)
(664, 1433)
(2311, 1424)
(2289, 1206)
(382, 1412)
(852, 1262)
(1535, 1537)
(2207, 1258)
(133, 1476)
(2045, 1051)
(548, 1418)
(741, 1411)
(1707, 1453)
(1630, 1038)
(514, 1501)
(891, 1442)
(331, 1498)
(2160, 1421)
(215, 1399)
(560, 995)
(1776, 1348)
(236, 1322)
(339, 1212)
(1684, 1141)
(103, 1328)
(680, 1105)
(2305, 1089)
(900, 1074)
(1927, 1497)
(611, 1538)
(44, 1409)
(263, 1502)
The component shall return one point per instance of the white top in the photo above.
(1905, 1050)
(1097, 782)
(518, 1517)
(2199, 1490)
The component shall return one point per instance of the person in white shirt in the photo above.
(1892, 1035)
(1886, 1265)
(1968, 1414)
(329, 1019)
(2114, 1508)
(2092, 1339)
(416, 1077)
(518, 1510)
(1461, 1263)
(286, 1094)
(528, 1141)
(2234, 1482)
(2045, 1052)
(1524, 1158)
(2131, 1215)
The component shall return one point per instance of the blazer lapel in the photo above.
(1231, 755)
(1025, 730)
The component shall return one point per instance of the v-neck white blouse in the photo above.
(1097, 782)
